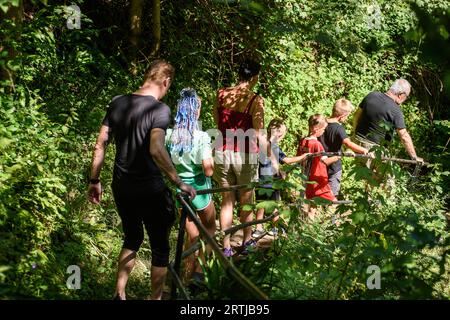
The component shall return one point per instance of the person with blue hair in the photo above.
(191, 153)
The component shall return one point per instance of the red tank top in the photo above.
(234, 126)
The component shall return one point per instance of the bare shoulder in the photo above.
(258, 104)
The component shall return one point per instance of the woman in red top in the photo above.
(239, 115)
(318, 171)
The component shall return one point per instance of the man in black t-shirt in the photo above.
(379, 114)
(332, 140)
(138, 122)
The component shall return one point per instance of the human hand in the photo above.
(418, 159)
(95, 192)
(349, 153)
(191, 192)
(276, 168)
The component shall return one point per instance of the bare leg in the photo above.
(259, 216)
(158, 278)
(246, 197)
(312, 212)
(192, 235)
(125, 265)
(208, 218)
(226, 215)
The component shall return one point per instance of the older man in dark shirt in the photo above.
(379, 114)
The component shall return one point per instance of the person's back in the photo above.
(380, 115)
(236, 110)
(334, 138)
(379, 111)
(137, 123)
(189, 164)
(190, 151)
(317, 169)
(131, 117)
(239, 115)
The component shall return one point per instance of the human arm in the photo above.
(297, 159)
(353, 146)
(162, 159)
(330, 160)
(98, 158)
(407, 142)
(258, 126)
(208, 167)
(206, 155)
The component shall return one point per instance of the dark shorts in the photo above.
(334, 180)
(153, 210)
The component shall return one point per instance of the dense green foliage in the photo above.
(313, 52)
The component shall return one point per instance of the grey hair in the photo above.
(400, 86)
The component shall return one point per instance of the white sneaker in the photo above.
(258, 233)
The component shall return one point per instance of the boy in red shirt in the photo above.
(318, 171)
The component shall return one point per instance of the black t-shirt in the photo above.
(130, 119)
(332, 140)
(380, 116)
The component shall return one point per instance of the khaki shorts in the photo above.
(233, 168)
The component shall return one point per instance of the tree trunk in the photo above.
(135, 31)
(15, 14)
(156, 28)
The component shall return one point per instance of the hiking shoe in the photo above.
(274, 232)
(258, 233)
(227, 252)
(249, 246)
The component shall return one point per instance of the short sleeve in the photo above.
(161, 117)
(341, 133)
(363, 103)
(398, 120)
(205, 146)
(107, 119)
(278, 152)
(317, 147)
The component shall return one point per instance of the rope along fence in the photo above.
(187, 211)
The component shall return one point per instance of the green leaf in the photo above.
(357, 217)
(5, 142)
(268, 206)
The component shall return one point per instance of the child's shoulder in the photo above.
(336, 127)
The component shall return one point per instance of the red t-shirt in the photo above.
(318, 171)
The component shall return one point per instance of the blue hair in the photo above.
(182, 139)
